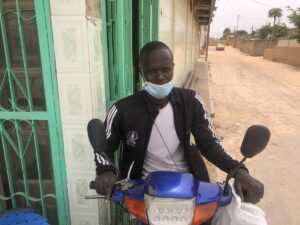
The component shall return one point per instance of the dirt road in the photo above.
(248, 90)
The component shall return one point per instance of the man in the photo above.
(154, 127)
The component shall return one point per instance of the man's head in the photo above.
(156, 63)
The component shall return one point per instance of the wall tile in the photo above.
(98, 97)
(96, 68)
(75, 98)
(78, 189)
(95, 45)
(68, 7)
(70, 43)
(78, 150)
(84, 219)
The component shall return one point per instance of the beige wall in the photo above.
(79, 67)
(288, 43)
(181, 33)
(254, 47)
(288, 55)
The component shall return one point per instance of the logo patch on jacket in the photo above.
(132, 137)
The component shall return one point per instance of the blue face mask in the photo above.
(158, 91)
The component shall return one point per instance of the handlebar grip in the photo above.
(93, 185)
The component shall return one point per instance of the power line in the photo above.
(242, 16)
(261, 3)
(231, 6)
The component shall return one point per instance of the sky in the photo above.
(251, 13)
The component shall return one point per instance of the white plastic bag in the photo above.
(239, 213)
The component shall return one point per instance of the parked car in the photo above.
(220, 47)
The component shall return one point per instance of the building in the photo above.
(63, 62)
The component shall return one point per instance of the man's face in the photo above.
(158, 67)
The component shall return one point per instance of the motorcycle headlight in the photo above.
(167, 211)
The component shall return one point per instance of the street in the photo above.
(250, 90)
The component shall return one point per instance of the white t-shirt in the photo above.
(164, 151)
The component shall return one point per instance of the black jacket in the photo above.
(130, 122)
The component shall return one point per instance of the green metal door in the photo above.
(149, 17)
(117, 18)
(148, 28)
(118, 36)
(122, 41)
(32, 162)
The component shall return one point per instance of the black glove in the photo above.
(248, 188)
(105, 183)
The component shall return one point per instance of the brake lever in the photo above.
(89, 197)
(125, 184)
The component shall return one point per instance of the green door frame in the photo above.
(51, 114)
(149, 21)
(53, 109)
(116, 41)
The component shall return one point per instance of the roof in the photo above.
(204, 11)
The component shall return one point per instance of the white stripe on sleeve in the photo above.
(109, 116)
(206, 115)
(104, 160)
(108, 132)
(99, 159)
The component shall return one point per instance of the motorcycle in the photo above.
(165, 197)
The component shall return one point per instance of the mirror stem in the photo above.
(243, 160)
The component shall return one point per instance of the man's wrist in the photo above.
(239, 170)
(106, 170)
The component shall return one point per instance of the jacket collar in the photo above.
(173, 97)
(152, 108)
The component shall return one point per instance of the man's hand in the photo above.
(105, 183)
(248, 188)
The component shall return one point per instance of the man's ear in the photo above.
(142, 74)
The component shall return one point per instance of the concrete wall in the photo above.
(213, 42)
(288, 55)
(181, 33)
(288, 43)
(254, 47)
(79, 67)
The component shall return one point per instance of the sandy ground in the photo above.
(249, 90)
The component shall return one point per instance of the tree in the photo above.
(265, 31)
(226, 32)
(275, 13)
(269, 32)
(294, 18)
(279, 30)
(241, 33)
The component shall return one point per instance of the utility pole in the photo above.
(237, 27)
(237, 22)
(207, 41)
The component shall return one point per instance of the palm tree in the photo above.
(226, 33)
(275, 13)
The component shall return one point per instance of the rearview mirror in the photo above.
(255, 140)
